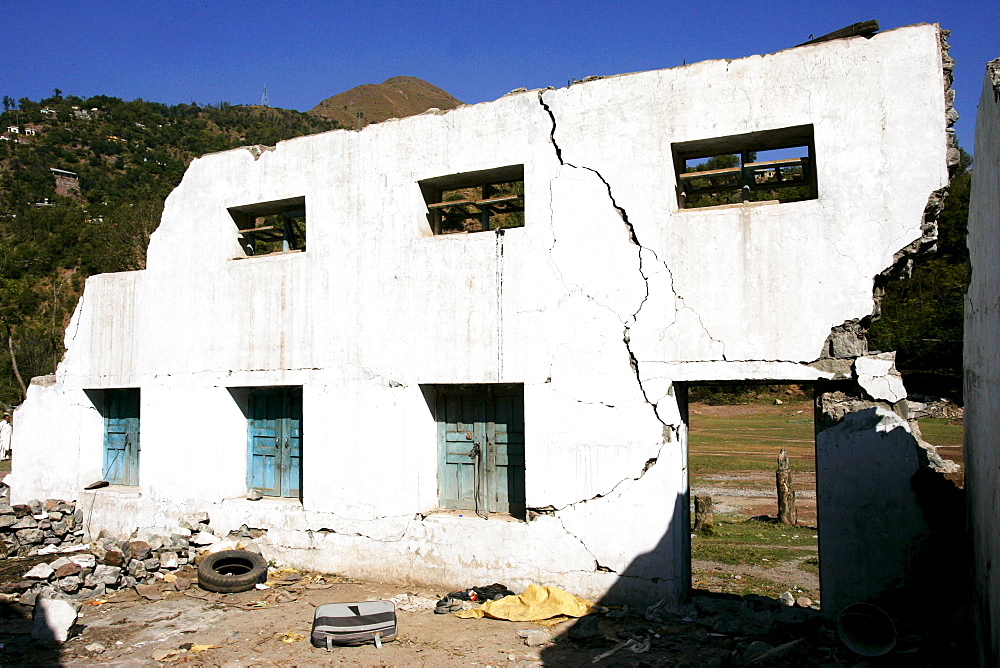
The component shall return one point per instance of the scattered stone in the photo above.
(787, 599)
(803, 602)
(585, 627)
(71, 584)
(254, 495)
(148, 592)
(778, 402)
(114, 557)
(40, 572)
(67, 569)
(181, 584)
(95, 648)
(140, 549)
(204, 538)
(755, 649)
(53, 620)
(108, 575)
(534, 638)
(84, 560)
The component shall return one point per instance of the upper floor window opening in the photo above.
(478, 201)
(772, 165)
(271, 227)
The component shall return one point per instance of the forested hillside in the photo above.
(126, 158)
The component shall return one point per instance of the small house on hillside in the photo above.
(456, 347)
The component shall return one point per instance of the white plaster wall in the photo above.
(378, 306)
(982, 366)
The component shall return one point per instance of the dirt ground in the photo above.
(271, 628)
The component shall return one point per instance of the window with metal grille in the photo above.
(480, 201)
(773, 165)
(271, 227)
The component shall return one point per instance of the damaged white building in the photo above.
(454, 348)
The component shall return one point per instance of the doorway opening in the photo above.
(748, 445)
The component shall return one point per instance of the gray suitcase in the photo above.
(353, 624)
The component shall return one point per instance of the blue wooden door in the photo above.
(274, 432)
(481, 447)
(121, 436)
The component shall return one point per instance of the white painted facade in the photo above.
(982, 367)
(606, 275)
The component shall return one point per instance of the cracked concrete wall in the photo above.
(982, 367)
(605, 298)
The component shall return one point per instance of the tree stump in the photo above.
(786, 495)
(704, 516)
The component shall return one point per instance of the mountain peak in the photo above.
(396, 97)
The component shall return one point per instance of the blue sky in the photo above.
(307, 50)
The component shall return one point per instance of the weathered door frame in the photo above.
(121, 436)
(274, 441)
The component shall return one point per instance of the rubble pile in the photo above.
(88, 571)
(39, 527)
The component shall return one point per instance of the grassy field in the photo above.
(735, 447)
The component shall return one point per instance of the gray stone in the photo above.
(535, 638)
(89, 593)
(192, 520)
(95, 648)
(54, 516)
(53, 620)
(756, 648)
(59, 563)
(71, 584)
(6, 509)
(60, 528)
(30, 536)
(178, 542)
(128, 581)
(49, 540)
(108, 575)
(787, 599)
(26, 522)
(152, 564)
(78, 518)
(254, 495)
(7, 520)
(803, 602)
(136, 569)
(40, 572)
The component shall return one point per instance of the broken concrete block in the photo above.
(878, 377)
(204, 538)
(53, 620)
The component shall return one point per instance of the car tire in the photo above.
(231, 571)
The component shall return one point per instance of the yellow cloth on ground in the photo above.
(534, 604)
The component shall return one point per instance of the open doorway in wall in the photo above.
(743, 539)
